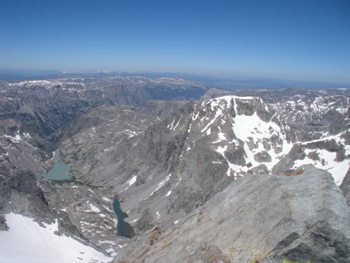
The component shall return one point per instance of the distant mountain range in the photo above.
(223, 82)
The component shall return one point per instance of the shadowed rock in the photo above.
(345, 186)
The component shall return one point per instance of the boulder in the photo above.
(259, 218)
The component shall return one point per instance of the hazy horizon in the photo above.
(287, 40)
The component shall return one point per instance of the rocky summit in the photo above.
(259, 218)
(136, 169)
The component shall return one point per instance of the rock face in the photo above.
(259, 218)
(22, 194)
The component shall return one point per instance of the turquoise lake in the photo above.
(60, 171)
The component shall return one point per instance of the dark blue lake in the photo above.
(123, 227)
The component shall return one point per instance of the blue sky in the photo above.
(287, 39)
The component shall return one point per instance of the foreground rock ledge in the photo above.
(260, 218)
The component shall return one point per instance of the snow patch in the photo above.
(247, 128)
(233, 169)
(209, 131)
(132, 180)
(337, 169)
(14, 139)
(93, 209)
(27, 135)
(221, 136)
(28, 242)
(161, 184)
(106, 199)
